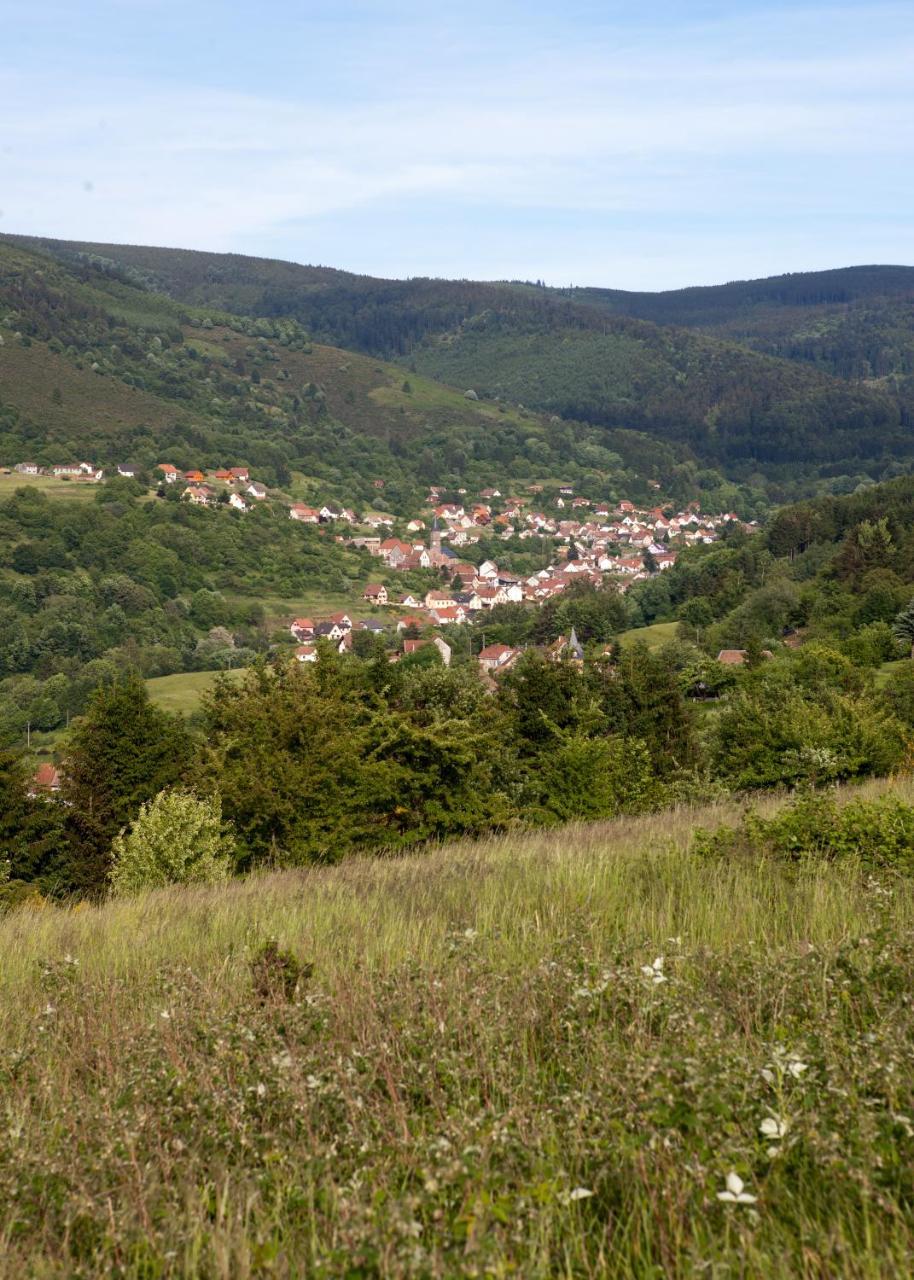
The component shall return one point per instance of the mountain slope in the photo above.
(572, 356)
(94, 364)
(856, 322)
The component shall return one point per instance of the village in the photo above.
(588, 541)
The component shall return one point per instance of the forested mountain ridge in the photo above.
(576, 356)
(854, 322)
(94, 364)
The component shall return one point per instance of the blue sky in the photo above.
(645, 145)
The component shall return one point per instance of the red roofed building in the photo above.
(495, 656)
(46, 781)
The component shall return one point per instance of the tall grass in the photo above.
(483, 1075)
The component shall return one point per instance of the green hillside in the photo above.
(745, 376)
(453, 1064)
(93, 364)
(856, 322)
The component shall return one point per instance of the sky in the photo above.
(632, 145)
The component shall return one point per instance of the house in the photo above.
(436, 599)
(238, 502)
(377, 519)
(410, 646)
(495, 656)
(46, 781)
(67, 469)
(329, 631)
(415, 526)
(194, 477)
(411, 620)
(410, 601)
(489, 597)
(306, 653)
(257, 491)
(199, 495)
(169, 473)
(27, 468)
(127, 470)
(488, 569)
(446, 617)
(302, 628)
(305, 515)
(224, 477)
(420, 559)
(375, 593)
(240, 475)
(394, 551)
(373, 625)
(341, 620)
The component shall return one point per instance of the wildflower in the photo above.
(49, 1010)
(654, 971)
(261, 1090)
(165, 1016)
(772, 1127)
(734, 1193)
(580, 1193)
(796, 1068)
(470, 934)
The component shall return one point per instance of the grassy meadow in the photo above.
(535, 1055)
(184, 692)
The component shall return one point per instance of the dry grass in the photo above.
(477, 1041)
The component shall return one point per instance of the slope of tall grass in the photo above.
(529, 1056)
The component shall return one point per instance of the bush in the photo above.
(813, 825)
(177, 838)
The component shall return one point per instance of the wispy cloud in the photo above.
(583, 146)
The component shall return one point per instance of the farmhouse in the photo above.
(375, 593)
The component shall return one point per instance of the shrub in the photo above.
(813, 825)
(177, 838)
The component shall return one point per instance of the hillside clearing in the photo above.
(536, 1055)
(654, 636)
(184, 692)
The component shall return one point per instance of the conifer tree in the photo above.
(122, 754)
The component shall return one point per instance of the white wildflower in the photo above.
(734, 1193)
(772, 1127)
(580, 1193)
(654, 971)
(165, 1016)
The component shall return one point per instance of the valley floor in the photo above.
(535, 1055)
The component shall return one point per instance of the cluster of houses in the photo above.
(63, 470)
(623, 543)
(200, 489)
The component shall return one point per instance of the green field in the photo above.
(81, 490)
(655, 636)
(182, 693)
(535, 1056)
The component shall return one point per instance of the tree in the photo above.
(30, 827)
(122, 753)
(177, 838)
